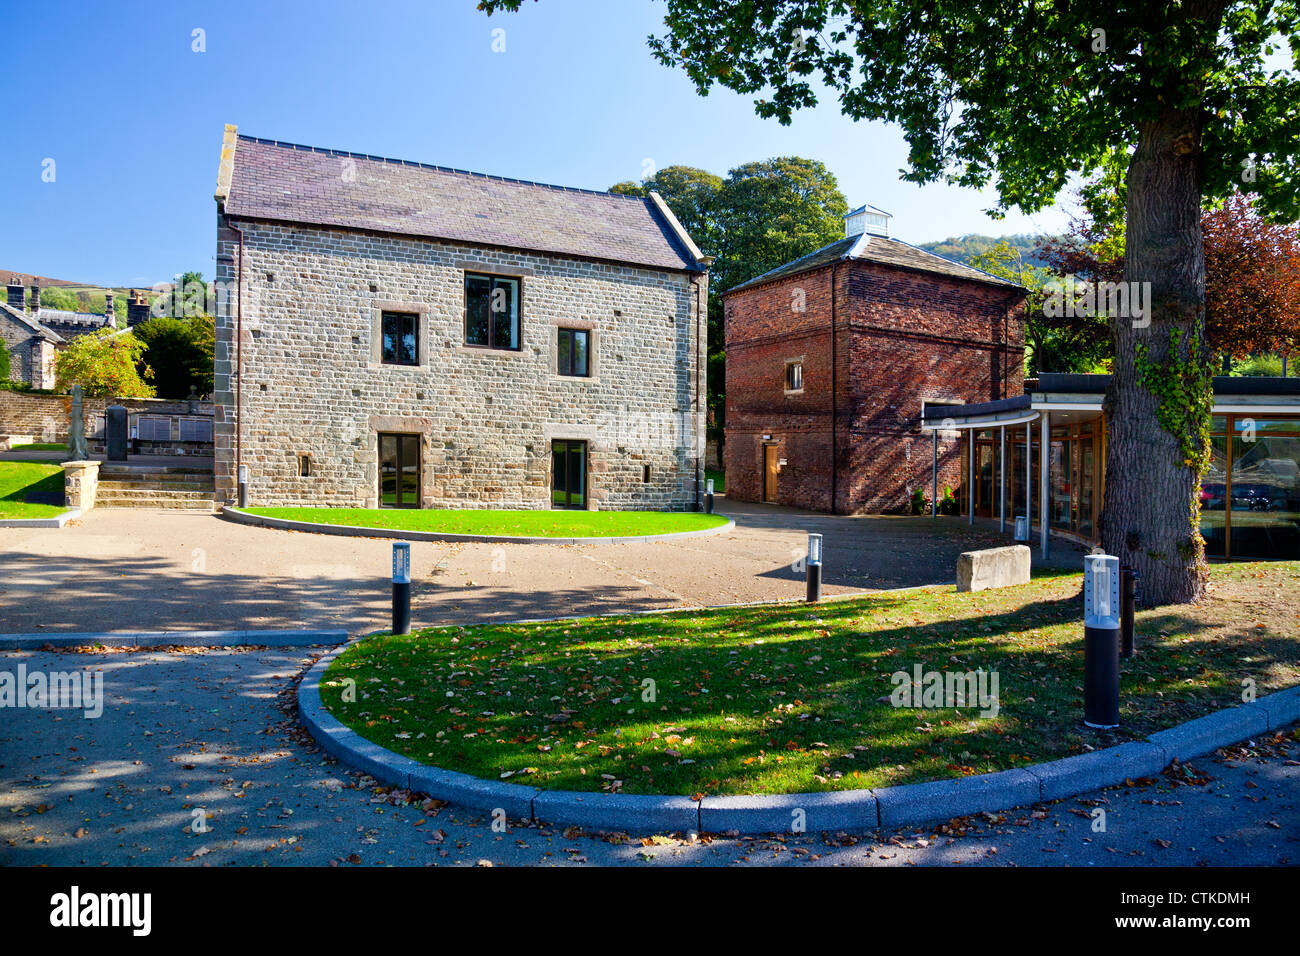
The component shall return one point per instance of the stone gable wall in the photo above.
(486, 418)
(31, 357)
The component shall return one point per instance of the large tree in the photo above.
(1020, 95)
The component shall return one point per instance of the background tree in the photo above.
(1052, 344)
(6, 368)
(179, 351)
(1020, 95)
(761, 216)
(1252, 274)
(104, 364)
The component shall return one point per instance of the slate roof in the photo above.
(302, 184)
(882, 251)
(70, 325)
(25, 318)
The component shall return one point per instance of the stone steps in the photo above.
(153, 498)
(177, 484)
(173, 487)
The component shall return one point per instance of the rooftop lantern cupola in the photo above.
(868, 219)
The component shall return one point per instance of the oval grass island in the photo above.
(485, 524)
(755, 709)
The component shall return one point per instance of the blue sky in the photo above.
(132, 117)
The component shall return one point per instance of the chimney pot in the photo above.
(36, 297)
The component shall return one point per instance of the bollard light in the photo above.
(1127, 605)
(708, 496)
(814, 568)
(243, 486)
(1101, 640)
(401, 587)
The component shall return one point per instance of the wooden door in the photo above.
(771, 468)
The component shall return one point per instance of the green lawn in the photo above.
(40, 446)
(795, 697)
(18, 478)
(539, 523)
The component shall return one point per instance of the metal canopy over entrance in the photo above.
(1045, 452)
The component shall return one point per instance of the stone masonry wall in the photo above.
(46, 417)
(486, 418)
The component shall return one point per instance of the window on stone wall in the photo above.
(574, 352)
(793, 376)
(491, 312)
(400, 335)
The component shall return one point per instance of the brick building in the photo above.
(413, 336)
(832, 358)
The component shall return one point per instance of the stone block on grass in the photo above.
(993, 568)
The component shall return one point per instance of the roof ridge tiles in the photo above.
(328, 151)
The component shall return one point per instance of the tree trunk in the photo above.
(1151, 513)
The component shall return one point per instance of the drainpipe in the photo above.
(835, 465)
(700, 410)
(239, 353)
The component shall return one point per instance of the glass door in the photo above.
(399, 471)
(569, 474)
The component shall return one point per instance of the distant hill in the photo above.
(965, 248)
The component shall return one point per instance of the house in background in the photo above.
(832, 359)
(33, 333)
(405, 335)
(31, 345)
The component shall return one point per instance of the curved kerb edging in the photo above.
(353, 531)
(888, 807)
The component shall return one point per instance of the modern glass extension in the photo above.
(1250, 497)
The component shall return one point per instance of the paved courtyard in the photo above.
(124, 569)
(209, 732)
(212, 735)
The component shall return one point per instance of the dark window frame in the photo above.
(492, 280)
(401, 439)
(384, 316)
(567, 448)
(572, 350)
(793, 371)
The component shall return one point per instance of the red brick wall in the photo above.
(764, 328)
(903, 338)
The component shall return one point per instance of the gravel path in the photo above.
(209, 732)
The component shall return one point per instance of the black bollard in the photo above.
(401, 588)
(1101, 613)
(814, 568)
(1127, 606)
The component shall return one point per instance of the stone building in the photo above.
(31, 345)
(833, 358)
(33, 333)
(405, 335)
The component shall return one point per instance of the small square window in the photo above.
(645, 474)
(304, 466)
(574, 352)
(400, 335)
(793, 376)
